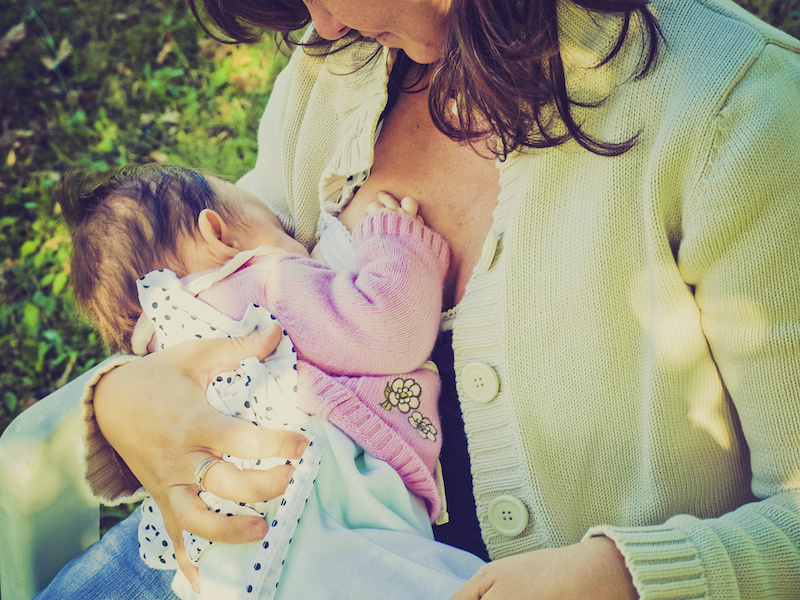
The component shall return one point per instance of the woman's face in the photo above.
(415, 26)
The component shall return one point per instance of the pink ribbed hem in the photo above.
(343, 408)
(433, 247)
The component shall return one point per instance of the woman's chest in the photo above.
(456, 187)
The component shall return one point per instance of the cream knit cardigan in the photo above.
(642, 312)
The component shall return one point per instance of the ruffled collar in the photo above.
(360, 99)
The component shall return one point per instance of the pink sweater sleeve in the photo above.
(381, 319)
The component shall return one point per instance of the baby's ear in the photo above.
(211, 225)
(215, 232)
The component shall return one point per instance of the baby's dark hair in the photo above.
(125, 223)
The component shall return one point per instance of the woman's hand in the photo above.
(154, 413)
(593, 569)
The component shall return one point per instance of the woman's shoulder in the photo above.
(714, 50)
(717, 33)
(738, 23)
(706, 49)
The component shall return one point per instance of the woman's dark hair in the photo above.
(125, 223)
(245, 21)
(501, 65)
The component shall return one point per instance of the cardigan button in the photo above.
(508, 516)
(480, 382)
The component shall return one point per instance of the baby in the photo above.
(162, 254)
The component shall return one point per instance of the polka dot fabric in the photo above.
(265, 575)
(263, 393)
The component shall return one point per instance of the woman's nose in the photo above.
(325, 23)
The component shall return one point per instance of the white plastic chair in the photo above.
(47, 515)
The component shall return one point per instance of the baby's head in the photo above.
(130, 221)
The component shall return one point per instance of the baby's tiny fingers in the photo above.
(388, 200)
(410, 206)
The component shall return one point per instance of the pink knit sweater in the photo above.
(361, 338)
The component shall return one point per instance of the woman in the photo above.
(625, 277)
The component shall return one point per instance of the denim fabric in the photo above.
(111, 570)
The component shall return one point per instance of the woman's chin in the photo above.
(423, 55)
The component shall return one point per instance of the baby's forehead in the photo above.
(236, 198)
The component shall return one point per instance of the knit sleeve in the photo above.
(740, 254)
(382, 318)
(108, 476)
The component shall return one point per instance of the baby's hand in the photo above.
(387, 203)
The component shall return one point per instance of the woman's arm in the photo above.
(740, 255)
(154, 413)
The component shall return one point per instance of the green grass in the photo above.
(100, 83)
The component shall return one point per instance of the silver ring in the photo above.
(201, 471)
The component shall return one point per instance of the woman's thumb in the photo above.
(225, 354)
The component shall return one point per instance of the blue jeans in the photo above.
(111, 570)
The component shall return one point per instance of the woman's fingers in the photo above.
(155, 414)
(593, 568)
(207, 358)
(185, 565)
(193, 515)
(237, 437)
(248, 485)
(175, 532)
(185, 511)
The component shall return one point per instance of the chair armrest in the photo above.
(47, 514)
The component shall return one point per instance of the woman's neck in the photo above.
(456, 187)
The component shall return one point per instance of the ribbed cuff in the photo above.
(397, 225)
(662, 561)
(109, 479)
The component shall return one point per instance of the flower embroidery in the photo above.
(402, 393)
(423, 426)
